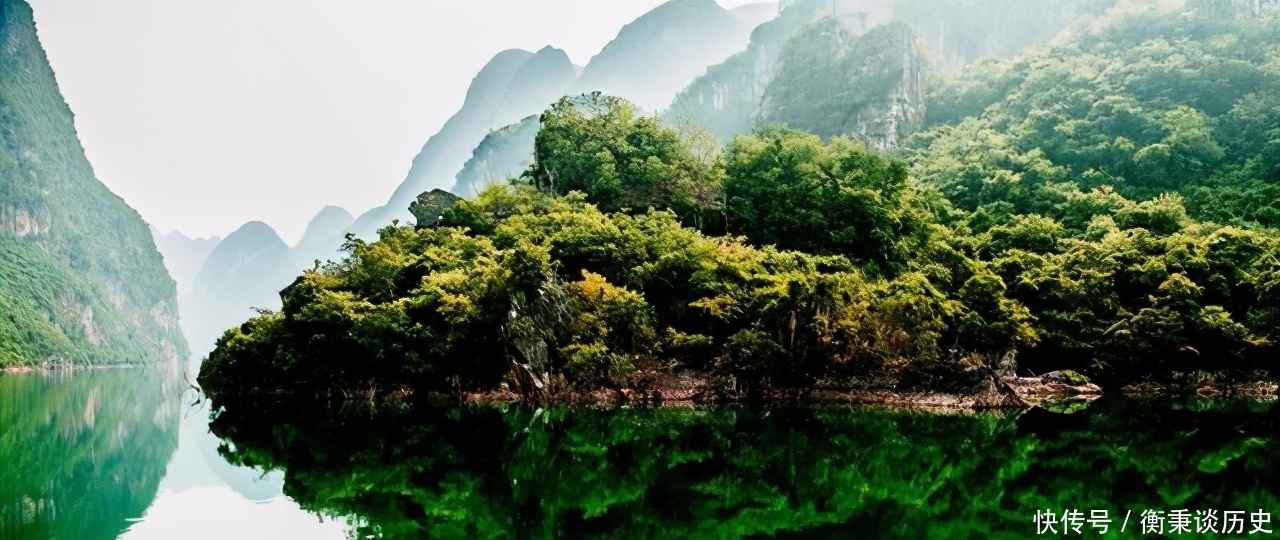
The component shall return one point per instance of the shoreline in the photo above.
(17, 370)
(1019, 393)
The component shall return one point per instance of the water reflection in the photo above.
(128, 454)
(82, 455)
(121, 453)
(485, 472)
(203, 496)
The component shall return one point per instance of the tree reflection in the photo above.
(727, 472)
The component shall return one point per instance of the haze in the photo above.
(205, 114)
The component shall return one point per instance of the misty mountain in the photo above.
(656, 55)
(81, 281)
(246, 270)
(726, 98)
(647, 63)
(649, 60)
(514, 84)
(832, 82)
(828, 79)
(323, 237)
(503, 154)
(960, 32)
(753, 15)
(183, 256)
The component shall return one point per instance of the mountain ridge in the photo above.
(81, 279)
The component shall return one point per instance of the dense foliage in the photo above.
(731, 472)
(1059, 208)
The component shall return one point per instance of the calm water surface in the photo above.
(125, 454)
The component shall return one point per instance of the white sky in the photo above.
(206, 114)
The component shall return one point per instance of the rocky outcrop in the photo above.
(852, 67)
(832, 82)
(22, 222)
(726, 99)
(1054, 389)
(430, 206)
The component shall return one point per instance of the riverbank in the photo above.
(15, 370)
(686, 390)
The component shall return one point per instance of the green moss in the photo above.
(1074, 377)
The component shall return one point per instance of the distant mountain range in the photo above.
(245, 270)
(183, 256)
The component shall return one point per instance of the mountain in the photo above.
(656, 55)
(246, 270)
(726, 98)
(649, 60)
(537, 83)
(730, 98)
(322, 238)
(183, 256)
(81, 281)
(959, 32)
(831, 82)
(512, 85)
(753, 15)
(503, 154)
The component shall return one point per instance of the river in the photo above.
(132, 454)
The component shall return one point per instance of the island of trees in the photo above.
(1106, 205)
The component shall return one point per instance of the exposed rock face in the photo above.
(859, 41)
(726, 99)
(21, 222)
(831, 82)
(80, 276)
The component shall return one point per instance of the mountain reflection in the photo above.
(729, 472)
(83, 453)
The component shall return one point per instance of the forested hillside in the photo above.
(856, 67)
(81, 281)
(1105, 204)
